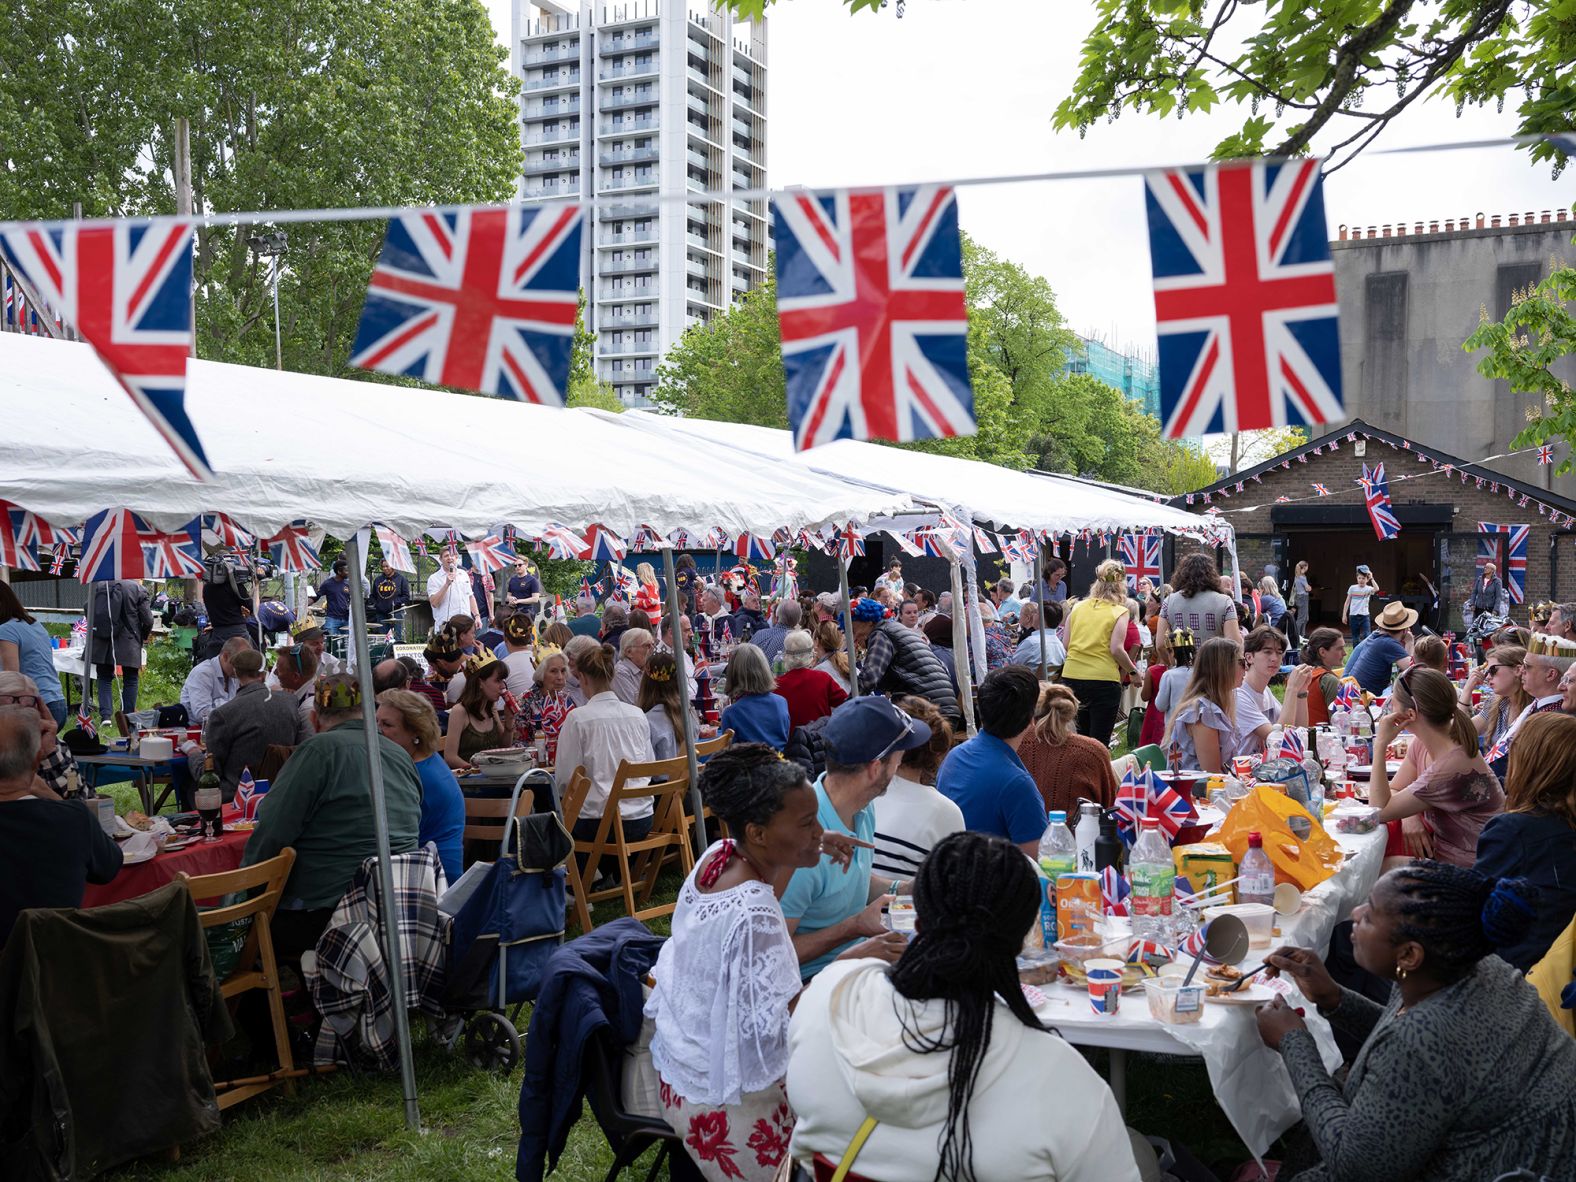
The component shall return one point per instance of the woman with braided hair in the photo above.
(942, 1050)
(726, 977)
(1463, 1075)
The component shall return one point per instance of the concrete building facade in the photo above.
(1410, 295)
(621, 102)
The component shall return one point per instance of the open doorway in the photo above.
(1333, 554)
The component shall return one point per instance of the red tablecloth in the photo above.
(201, 857)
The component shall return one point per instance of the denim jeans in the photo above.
(106, 686)
(1361, 626)
(333, 626)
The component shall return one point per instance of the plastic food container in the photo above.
(1038, 968)
(1258, 918)
(1172, 1002)
(1081, 948)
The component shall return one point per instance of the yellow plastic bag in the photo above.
(1305, 862)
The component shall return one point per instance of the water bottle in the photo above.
(1108, 847)
(1153, 875)
(1257, 874)
(1272, 742)
(1058, 850)
(1087, 833)
(1341, 721)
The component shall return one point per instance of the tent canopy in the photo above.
(342, 454)
(994, 496)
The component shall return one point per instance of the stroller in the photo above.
(508, 918)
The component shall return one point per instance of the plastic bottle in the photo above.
(1108, 847)
(1153, 875)
(1272, 742)
(1087, 833)
(1058, 850)
(1341, 721)
(1257, 881)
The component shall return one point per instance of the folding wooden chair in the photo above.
(255, 966)
(490, 814)
(709, 747)
(668, 833)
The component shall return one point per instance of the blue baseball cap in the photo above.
(870, 727)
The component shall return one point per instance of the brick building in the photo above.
(1439, 499)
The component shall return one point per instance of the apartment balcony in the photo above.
(562, 82)
(551, 57)
(695, 267)
(628, 267)
(564, 135)
(699, 105)
(628, 126)
(630, 184)
(626, 43)
(625, 237)
(634, 293)
(700, 242)
(640, 349)
(646, 71)
(612, 323)
(704, 79)
(626, 156)
(552, 164)
(553, 109)
(619, 102)
(639, 373)
(549, 192)
(698, 160)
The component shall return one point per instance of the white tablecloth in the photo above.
(1333, 899)
(68, 660)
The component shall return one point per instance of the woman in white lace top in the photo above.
(725, 979)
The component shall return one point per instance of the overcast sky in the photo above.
(966, 88)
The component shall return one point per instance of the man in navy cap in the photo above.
(833, 911)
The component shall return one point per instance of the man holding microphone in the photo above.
(449, 592)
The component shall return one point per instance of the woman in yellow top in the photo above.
(1097, 664)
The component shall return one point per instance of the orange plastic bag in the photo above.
(1306, 862)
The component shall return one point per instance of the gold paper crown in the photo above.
(304, 626)
(1544, 645)
(1182, 638)
(337, 694)
(543, 651)
(1541, 611)
(661, 675)
(477, 664)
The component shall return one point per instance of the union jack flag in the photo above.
(1376, 494)
(870, 304)
(247, 798)
(1292, 746)
(1141, 555)
(683, 539)
(909, 543)
(811, 541)
(935, 542)
(603, 545)
(1013, 549)
(753, 548)
(396, 551)
(291, 549)
(982, 539)
(490, 553)
(14, 550)
(849, 543)
(127, 288)
(57, 563)
(177, 555)
(419, 545)
(1546, 454)
(226, 533)
(478, 298)
(1514, 563)
(1114, 891)
(114, 546)
(645, 540)
(1347, 694)
(1321, 490)
(1140, 796)
(562, 542)
(41, 535)
(588, 589)
(1244, 297)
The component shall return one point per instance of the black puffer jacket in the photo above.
(899, 660)
(807, 747)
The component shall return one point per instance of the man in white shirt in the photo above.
(449, 592)
(212, 683)
(1257, 710)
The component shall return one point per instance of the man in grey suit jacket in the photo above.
(239, 733)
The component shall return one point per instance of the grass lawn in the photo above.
(350, 1128)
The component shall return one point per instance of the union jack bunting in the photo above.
(1114, 891)
(41, 535)
(1513, 562)
(870, 304)
(114, 546)
(588, 589)
(932, 542)
(562, 542)
(1292, 746)
(1376, 494)
(57, 563)
(419, 545)
(849, 543)
(809, 540)
(983, 540)
(226, 533)
(1321, 490)
(1141, 555)
(1141, 795)
(1546, 454)
(1012, 549)
(483, 299)
(291, 549)
(490, 553)
(396, 551)
(247, 798)
(718, 538)
(645, 540)
(603, 545)
(1347, 694)
(753, 548)
(177, 555)
(912, 544)
(14, 550)
(127, 289)
(683, 539)
(1244, 297)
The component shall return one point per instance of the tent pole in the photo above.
(848, 627)
(1039, 590)
(696, 803)
(393, 955)
(960, 647)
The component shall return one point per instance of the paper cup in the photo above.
(1105, 985)
(1288, 899)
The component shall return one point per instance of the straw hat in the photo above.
(1396, 617)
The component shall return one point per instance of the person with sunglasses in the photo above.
(831, 908)
(1455, 792)
(1507, 698)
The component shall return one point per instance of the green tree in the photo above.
(292, 104)
(730, 369)
(1538, 333)
(584, 389)
(1022, 333)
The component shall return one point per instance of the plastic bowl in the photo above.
(1173, 1003)
(1077, 950)
(1258, 918)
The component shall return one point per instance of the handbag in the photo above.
(792, 1171)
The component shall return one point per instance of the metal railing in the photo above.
(571, 79)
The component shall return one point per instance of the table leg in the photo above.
(145, 790)
(1119, 1079)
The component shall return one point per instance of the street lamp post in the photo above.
(272, 246)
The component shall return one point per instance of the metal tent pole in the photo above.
(393, 955)
(848, 626)
(960, 647)
(1039, 590)
(696, 803)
